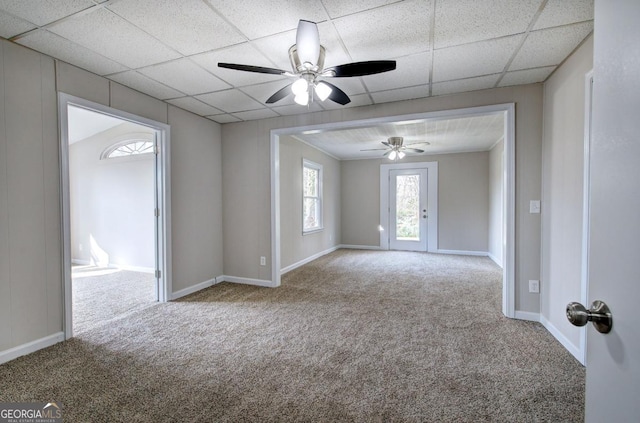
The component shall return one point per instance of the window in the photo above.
(128, 148)
(311, 196)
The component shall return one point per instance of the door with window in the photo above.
(408, 209)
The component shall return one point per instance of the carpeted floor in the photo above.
(101, 294)
(359, 336)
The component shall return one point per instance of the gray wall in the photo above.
(246, 172)
(496, 203)
(112, 201)
(562, 182)
(31, 287)
(294, 246)
(463, 200)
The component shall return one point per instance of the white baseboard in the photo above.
(248, 281)
(308, 259)
(195, 288)
(30, 347)
(118, 266)
(359, 247)
(575, 351)
(463, 252)
(495, 259)
(527, 315)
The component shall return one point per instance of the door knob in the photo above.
(599, 314)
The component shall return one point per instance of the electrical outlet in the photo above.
(263, 261)
(534, 287)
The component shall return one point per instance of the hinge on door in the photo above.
(158, 274)
(156, 212)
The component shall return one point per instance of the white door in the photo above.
(408, 209)
(613, 359)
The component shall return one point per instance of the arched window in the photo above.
(129, 147)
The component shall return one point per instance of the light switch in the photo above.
(534, 206)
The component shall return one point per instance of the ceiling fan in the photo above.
(396, 149)
(307, 61)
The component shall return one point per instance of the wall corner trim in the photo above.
(196, 288)
(495, 259)
(30, 347)
(568, 345)
(248, 281)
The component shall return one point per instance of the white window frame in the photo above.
(318, 167)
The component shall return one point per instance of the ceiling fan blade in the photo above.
(421, 142)
(249, 68)
(413, 150)
(280, 94)
(337, 94)
(374, 149)
(387, 144)
(361, 68)
(387, 153)
(308, 42)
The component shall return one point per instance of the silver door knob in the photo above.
(599, 314)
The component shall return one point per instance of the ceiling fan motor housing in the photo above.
(396, 141)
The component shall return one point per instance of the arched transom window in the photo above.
(128, 147)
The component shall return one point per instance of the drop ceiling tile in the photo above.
(466, 21)
(244, 54)
(526, 76)
(469, 60)
(256, 114)
(189, 26)
(410, 70)
(296, 109)
(195, 106)
(337, 8)
(269, 16)
(550, 46)
(137, 81)
(113, 37)
(42, 12)
(391, 31)
(183, 75)
(464, 85)
(224, 118)
(261, 92)
(230, 101)
(401, 94)
(11, 26)
(356, 100)
(351, 86)
(562, 12)
(60, 48)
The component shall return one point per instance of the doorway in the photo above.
(114, 169)
(408, 209)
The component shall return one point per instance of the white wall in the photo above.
(112, 201)
(294, 246)
(562, 182)
(463, 200)
(31, 287)
(247, 190)
(496, 203)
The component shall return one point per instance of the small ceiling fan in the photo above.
(307, 61)
(396, 149)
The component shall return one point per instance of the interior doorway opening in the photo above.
(115, 212)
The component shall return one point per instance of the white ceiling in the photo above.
(170, 49)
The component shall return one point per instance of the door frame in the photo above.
(162, 193)
(508, 181)
(586, 201)
(432, 202)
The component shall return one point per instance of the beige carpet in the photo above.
(360, 336)
(101, 294)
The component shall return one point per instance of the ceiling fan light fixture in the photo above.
(302, 99)
(323, 91)
(300, 87)
(401, 154)
(393, 155)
